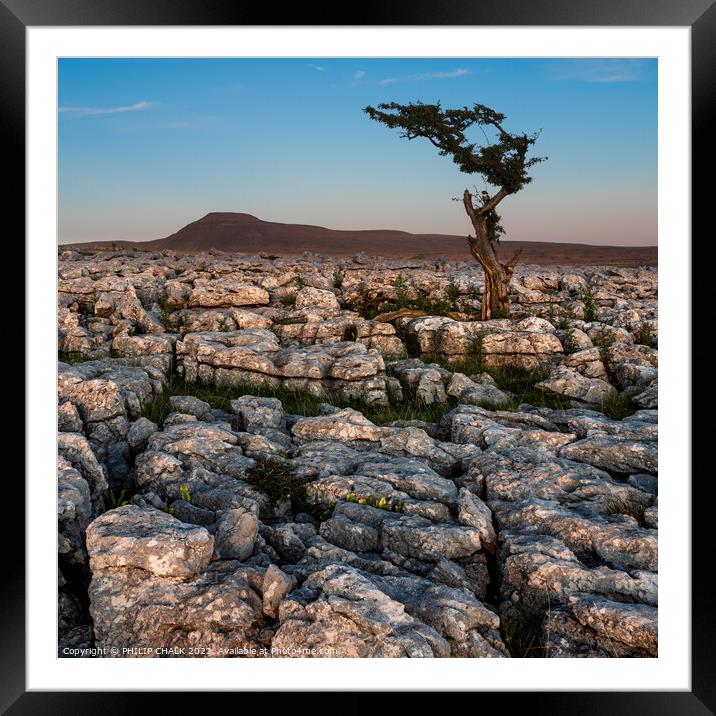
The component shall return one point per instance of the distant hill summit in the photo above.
(245, 233)
(241, 233)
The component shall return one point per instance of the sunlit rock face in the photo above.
(311, 457)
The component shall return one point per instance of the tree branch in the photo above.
(510, 265)
(488, 206)
(469, 208)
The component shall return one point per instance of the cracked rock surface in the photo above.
(489, 523)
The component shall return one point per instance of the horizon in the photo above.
(147, 146)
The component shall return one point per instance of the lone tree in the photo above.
(503, 164)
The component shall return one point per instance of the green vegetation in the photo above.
(165, 316)
(644, 335)
(223, 324)
(327, 512)
(74, 357)
(452, 292)
(509, 377)
(382, 503)
(590, 305)
(633, 505)
(288, 299)
(406, 297)
(502, 312)
(111, 500)
(564, 322)
(522, 631)
(275, 479)
(289, 321)
(618, 407)
(569, 342)
(296, 402)
(337, 279)
(604, 339)
(220, 396)
(184, 492)
(299, 281)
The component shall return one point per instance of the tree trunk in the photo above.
(497, 275)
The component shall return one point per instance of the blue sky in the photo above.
(148, 145)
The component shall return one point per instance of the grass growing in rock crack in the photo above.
(522, 631)
(644, 335)
(75, 357)
(633, 505)
(513, 378)
(618, 407)
(590, 305)
(409, 407)
(275, 479)
(519, 381)
(296, 402)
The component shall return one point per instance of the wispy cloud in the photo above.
(598, 70)
(318, 68)
(93, 111)
(459, 72)
(358, 75)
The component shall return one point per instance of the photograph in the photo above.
(357, 357)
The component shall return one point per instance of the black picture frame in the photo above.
(699, 15)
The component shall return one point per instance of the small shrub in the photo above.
(278, 483)
(551, 315)
(223, 324)
(337, 279)
(501, 313)
(569, 342)
(113, 500)
(644, 335)
(476, 349)
(618, 407)
(590, 305)
(401, 292)
(326, 512)
(299, 281)
(452, 292)
(184, 492)
(288, 299)
(564, 323)
(604, 339)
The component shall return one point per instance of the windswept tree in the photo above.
(503, 163)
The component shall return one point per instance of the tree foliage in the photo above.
(503, 163)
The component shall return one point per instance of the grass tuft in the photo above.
(74, 357)
(275, 479)
(634, 505)
(522, 631)
(618, 407)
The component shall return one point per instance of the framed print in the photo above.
(343, 353)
